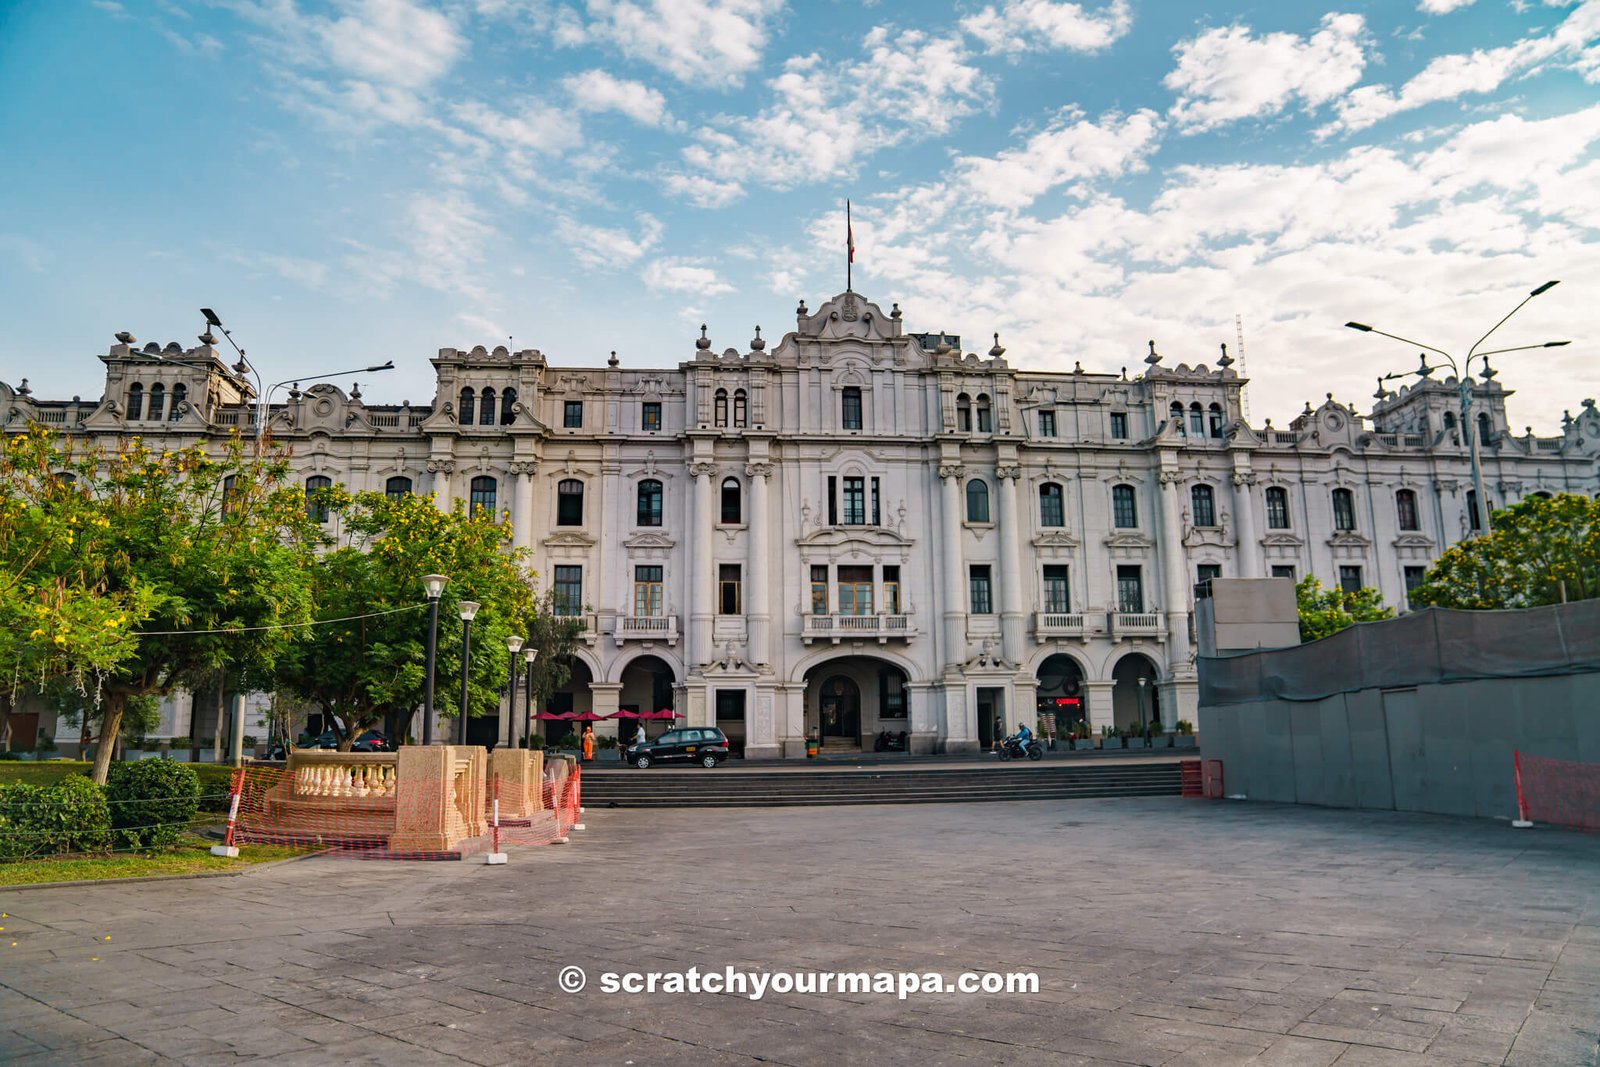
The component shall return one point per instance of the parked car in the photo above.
(372, 741)
(705, 745)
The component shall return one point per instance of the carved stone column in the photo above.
(757, 608)
(700, 577)
(1013, 612)
(1245, 513)
(442, 469)
(522, 472)
(1175, 572)
(955, 597)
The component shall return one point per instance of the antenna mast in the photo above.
(1244, 390)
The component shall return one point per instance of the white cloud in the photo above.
(680, 275)
(448, 237)
(393, 42)
(595, 90)
(597, 246)
(1036, 25)
(1227, 74)
(534, 127)
(1484, 70)
(1442, 7)
(1072, 151)
(826, 117)
(706, 42)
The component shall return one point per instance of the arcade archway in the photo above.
(1062, 696)
(1135, 697)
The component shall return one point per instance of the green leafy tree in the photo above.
(1538, 551)
(205, 559)
(1327, 611)
(369, 670)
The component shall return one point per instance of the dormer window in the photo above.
(468, 406)
(486, 411)
(158, 398)
(136, 400)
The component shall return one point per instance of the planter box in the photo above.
(1135, 742)
(1184, 741)
(1160, 741)
(1111, 742)
(1083, 744)
(612, 754)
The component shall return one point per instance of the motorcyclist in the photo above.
(1024, 735)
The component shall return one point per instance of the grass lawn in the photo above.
(190, 856)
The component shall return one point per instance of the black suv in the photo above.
(705, 745)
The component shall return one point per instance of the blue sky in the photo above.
(359, 180)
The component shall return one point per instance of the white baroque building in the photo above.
(864, 529)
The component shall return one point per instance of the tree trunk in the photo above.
(110, 727)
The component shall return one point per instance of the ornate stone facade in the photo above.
(866, 529)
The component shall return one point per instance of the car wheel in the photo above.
(641, 762)
(708, 760)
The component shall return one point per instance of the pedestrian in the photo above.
(638, 734)
(588, 743)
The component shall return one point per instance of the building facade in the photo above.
(863, 529)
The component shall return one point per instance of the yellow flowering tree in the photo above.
(1542, 550)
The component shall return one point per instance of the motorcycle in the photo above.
(890, 741)
(1011, 748)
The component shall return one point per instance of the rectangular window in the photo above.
(855, 501)
(819, 590)
(891, 693)
(569, 590)
(572, 414)
(985, 417)
(877, 512)
(1350, 579)
(1207, 571)
(650, 415)
(1344, 510)
(1124, 508)
(1052, 511)
(1130, 589)
(982, 593)
(1047, 424)
(1119, 425)
(833, 500)
(1415, 576)
(855, 590)
(850, 408)
(1205, 505)
(1277, 508)
(728, 598)
(1057, 594)
(1281, 571)
(1197, 422)
(891, 590)
(647, 591)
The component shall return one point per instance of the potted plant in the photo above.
(607, 748)
(570, 744)
(1135, 737)
(1083, 737)
(1184, 738)
(1109, 737)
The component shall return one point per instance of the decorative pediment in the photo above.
(854, 536)
(569, 539)
(848, 315)
(1215, 536)
(1058, 539)
(1349, 545)
(1128, 545)
(1283, 539)
(645, 541)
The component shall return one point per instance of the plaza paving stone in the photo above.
(1164, 932)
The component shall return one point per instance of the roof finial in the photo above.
(757, 343)
(999, 349)
(1226, 361)
(1154, 357)
(613, 361)
(704, 342)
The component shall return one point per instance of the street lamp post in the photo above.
(529, 655)
(468, 609)
(1463, 376)
(1143, 722)
(513, 643)
(434, 583)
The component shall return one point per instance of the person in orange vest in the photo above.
(588, 743)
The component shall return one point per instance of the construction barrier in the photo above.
(1211, 779)
(1190, 782)
(1558, 792)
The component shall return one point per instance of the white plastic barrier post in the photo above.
(496, 856)
(228, 849)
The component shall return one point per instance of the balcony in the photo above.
(646, 628)
(591, 624)
(1050, 624)
(1138, 624)
(838, 628)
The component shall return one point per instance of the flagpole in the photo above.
(849, 249)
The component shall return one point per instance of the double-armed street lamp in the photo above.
(528, 654)
(1463, 376)
(468, 610)
(434, 584)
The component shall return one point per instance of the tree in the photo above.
(1327, 611)
(202, 560)
(1542, 550)
(370, 669)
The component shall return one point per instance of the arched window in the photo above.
(397, 487)
(486, 408)
(1485, 429)
(1215, 416)
(1124, 507)
(720, 408)
(732, 502)
(850, 407)
(180, 393)
(649, 510)
(985, 414)
(741, 408)
(569, 502)
(1197, 420)
(508, 403)
(1277, 508)
(1052, 507)
(228, 485)
(136, 400)
(1344, 510)
(468, 405)
(977, 500)
(1204, 502)
(964, 413)
(158, 398)
(1405, 506)
(316, 505)
(1473, 522)
(1449, 420)
(482, 494)
(1176, 412)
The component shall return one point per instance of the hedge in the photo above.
(152, 801)
(46, 820)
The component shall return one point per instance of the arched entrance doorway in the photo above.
(1062, 695)
(1135, 697)
(849, 701)
(574, 695)
(646, 686)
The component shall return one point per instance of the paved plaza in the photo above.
(1163, 931)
